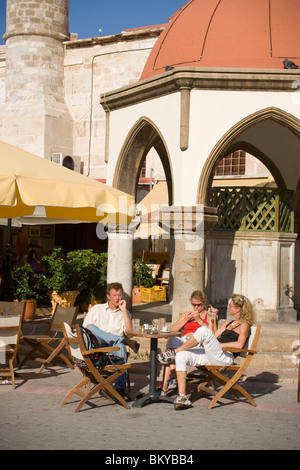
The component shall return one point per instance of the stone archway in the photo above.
(142, 137)
(260, 265)
(230, 141)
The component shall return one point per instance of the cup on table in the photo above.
(136, 324)
(165, 329)
(146, 326)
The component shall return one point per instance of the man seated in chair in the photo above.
(109, 323)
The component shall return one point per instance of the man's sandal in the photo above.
(167, 357)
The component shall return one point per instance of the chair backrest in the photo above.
(154, 268)
(10, 329)
(12, 308)
(10, 334)
(73, 342)
(165, 276)
(252, 340)
(62, 315)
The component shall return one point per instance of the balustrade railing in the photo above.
(253, 209)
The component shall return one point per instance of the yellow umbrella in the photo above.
(28, 182)
(149, 208)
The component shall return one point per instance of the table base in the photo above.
(150, 398)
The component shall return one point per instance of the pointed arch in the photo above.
(141, 138)
(229, 142)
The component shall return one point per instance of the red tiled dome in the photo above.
(229, 33)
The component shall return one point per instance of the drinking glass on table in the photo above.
(136, 324)
(161, 324)
(155, 323)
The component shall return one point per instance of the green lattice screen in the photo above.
(255, 209)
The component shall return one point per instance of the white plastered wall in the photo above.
(212, 115)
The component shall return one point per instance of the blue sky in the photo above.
(112, 16)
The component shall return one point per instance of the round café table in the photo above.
(154, 395)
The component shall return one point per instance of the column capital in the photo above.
(123, 229)
(188, 218)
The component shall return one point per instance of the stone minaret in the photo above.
(36, 115)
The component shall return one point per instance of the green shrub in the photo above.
(142, 274)
(27, 283)
(81, 270)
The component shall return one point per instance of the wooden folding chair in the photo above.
(12, 309)
(128, 354)
(211, 373)
(42, 343)
(101, 379)
(165, 278)
(10, 334)
(155, 270)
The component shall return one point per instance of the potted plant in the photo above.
(57, 279)
(27, 288)
(91, 270)
(79, 272)
(142, 277)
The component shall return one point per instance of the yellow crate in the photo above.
(153, 294)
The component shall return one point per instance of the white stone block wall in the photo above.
(103, 67)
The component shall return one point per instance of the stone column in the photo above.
(120, 258)
(36, 115)
(187, 225)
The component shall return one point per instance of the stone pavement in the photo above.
(32, 417)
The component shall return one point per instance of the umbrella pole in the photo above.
(8, 287)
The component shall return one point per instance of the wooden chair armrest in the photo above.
(70, 340)
(38, 321)
(104, 350)
(238, 350)
(9, 328)
(118, 366)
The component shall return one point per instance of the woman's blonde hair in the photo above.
(247, 311)
(199, 295)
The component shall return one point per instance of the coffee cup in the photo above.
(146, 326)
(165, 328)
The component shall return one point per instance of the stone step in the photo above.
(272, 360)
(262, 360)
(274, 346)
(274, 351)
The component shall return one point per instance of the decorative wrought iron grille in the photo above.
(253, 209)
